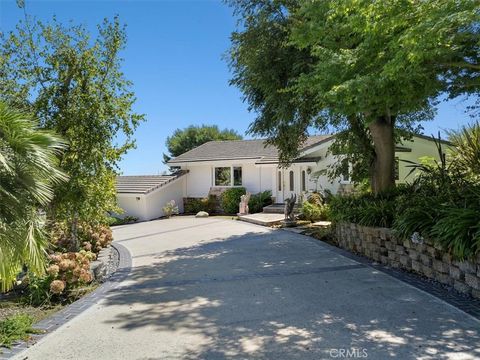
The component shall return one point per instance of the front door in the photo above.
(286, 184)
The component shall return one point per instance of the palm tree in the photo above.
(28, 172)
(466, 150)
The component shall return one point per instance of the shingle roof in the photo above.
(144, 184)
(239, 149)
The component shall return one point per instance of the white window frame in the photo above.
(232, 178)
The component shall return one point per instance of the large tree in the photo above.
(74, 84)
(28, 172)
(183, 140)
(369, 69)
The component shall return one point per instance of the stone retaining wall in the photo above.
(423, 257)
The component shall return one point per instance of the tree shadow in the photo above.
(281, 296)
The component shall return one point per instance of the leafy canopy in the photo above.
(183, 140)
(346, 64)
(74, 84)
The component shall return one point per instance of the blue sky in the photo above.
(174, 58)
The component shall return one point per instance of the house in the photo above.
(216, 165)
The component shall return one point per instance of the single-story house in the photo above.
(217, 165)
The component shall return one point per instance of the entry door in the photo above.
(290, 179)
(280, 186)
(286, 184)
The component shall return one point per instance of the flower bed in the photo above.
(418, 255)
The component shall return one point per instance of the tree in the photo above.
(74, 84)
(369, 69)
(186, 139)
(28, 172)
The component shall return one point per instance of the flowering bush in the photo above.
(170, 208)
(66, 272)
(94, 238)
(91, 237)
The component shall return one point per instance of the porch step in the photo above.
(279, 209)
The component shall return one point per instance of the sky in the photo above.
(174, 58)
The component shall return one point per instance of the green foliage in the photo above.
(259, 201)
(14, 328)
(313, 211)
(170, 208)
(112, 220)
(189, 138)
(231, 198)
(38, 291)
(466, 152)
(442, 203)
(208, 204)
(355, 66)
(73, 82)
(28, 173)
(367, 209)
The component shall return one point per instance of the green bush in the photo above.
(314, 212)
(208, 204)
(14, 328)
(259, 201)
(231, 198)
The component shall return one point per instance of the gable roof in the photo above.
(240, 149)
(144, 184)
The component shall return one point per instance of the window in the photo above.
(228, 176)
(344, 170)
(291, 180)
(237, 176)
(222, 176)
(279, 181)
(397, 169)
(304, 181)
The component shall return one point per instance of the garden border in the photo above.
(467, 304)
(50, 324)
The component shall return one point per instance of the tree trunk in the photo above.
(383, 167)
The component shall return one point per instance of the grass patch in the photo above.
(16, 327)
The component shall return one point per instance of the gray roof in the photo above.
(240, 149)
(144, 184)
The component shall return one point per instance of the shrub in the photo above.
(112, 220)
(170, 208)
(231, 198)
(259, 201)
(314, 212)
(91, 237)
(66, 272)
(194, 205)
(16, 327)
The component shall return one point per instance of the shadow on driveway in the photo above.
(281, 296)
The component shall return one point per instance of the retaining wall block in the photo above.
(473, 281)
(440, 266)
(462, 287)
(417, 266)
(427, 271)
(414, 254)
(456, 273)
(426, 259)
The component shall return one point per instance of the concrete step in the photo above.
(279, 209)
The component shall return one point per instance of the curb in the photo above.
(50, 324)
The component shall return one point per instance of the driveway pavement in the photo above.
(216, 288)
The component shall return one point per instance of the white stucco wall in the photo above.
(149, 206)
(132, 205)
(157, 199)
(198, 180)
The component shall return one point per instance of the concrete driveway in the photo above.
(216, 288)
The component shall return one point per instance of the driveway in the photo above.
(215, 288)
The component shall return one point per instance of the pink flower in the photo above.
(53, 270)
(57, 286)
